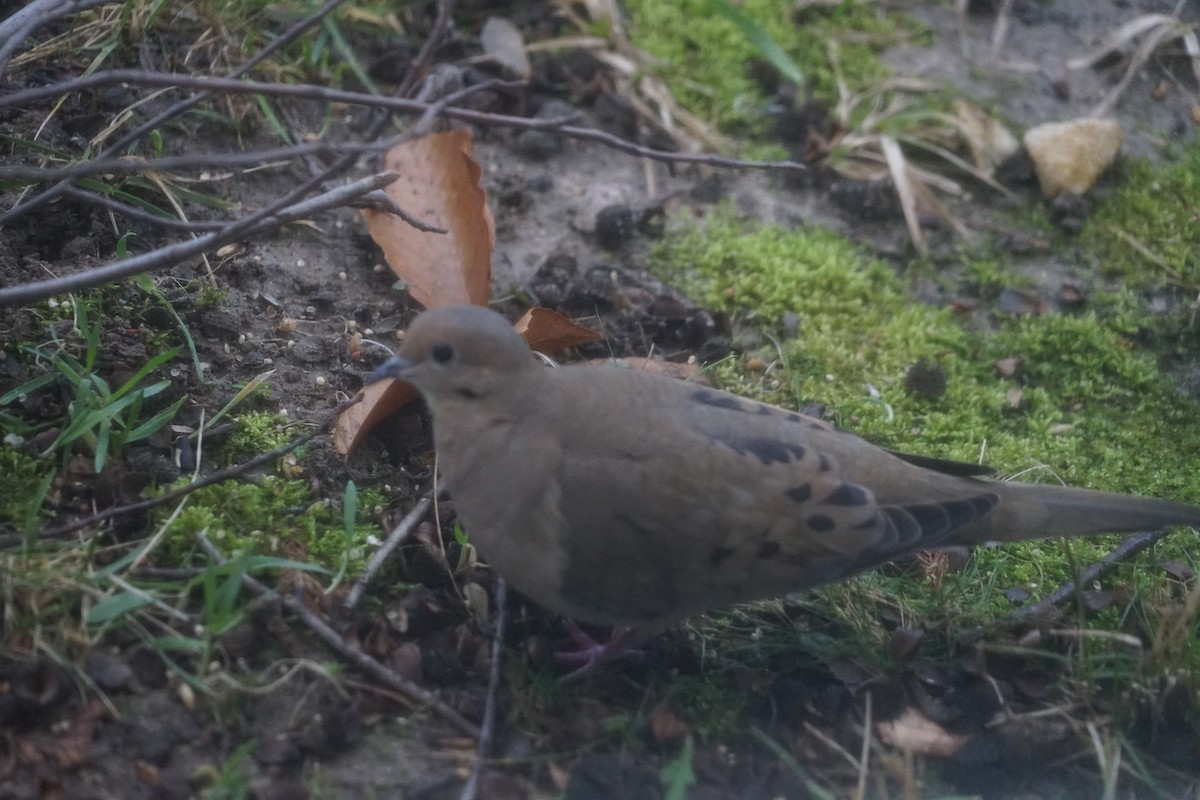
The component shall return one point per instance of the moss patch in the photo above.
(257, 432)
(21, 478)
(276, 517)
(1088, 407)
(1147, 230)
(706, 59)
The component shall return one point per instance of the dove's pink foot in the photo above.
(591, 653)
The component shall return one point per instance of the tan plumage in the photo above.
(621, 497)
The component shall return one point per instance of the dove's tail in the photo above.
(1034, 511)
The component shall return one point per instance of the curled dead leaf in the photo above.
(915, 732)
(438, 184)
(548, 331)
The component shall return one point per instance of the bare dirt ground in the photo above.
(124, 726)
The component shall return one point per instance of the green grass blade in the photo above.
(264, 105)
(103, 439)
(146, 369)
(31, 385)
(242, 394)
(347, 52)
(152, 425)
(32, 511)
(147, 285)
(758, 37)
(117, 605)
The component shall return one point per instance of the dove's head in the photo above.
(458, 353)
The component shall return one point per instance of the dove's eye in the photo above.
(442, 353)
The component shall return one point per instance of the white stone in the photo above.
(1071, 156)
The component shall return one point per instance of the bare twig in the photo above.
(310, 92)
(11, 540)
(121, 165)
(260, 222)
(379, 200)
(352, 654)
(1122, 552)
(399, 533)
(412, 77)
(487, 728)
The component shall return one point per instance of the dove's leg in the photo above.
(591, 653)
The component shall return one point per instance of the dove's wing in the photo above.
(703, 500)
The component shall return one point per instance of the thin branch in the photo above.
(123, 165)
(1122, 552)
(441, 23)
(266, 220)
(311, 92)
(399, 533)
(487, 729)
(11, 540)
(351, 653)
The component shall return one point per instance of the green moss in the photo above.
(705, 58)
(1093, 408)
(277, 517)
(21, 480)
(257, 432)
(1146, 231)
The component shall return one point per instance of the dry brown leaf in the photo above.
(548, 331)
(665, 725)
(915, 732)
(379, 400)
(439, 184)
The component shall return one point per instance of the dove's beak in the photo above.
(395, 367)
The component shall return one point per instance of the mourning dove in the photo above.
(621, 497)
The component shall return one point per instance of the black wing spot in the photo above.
(959, 512)
(767, 550)
(469, 394)
(848, 494)
(764, 410)
(768, 451)
(801, 493)
(823, 463)
(905, 526)
(794, 417)
(820, 523)
(719, 554)
(718, 400)
(934, 520)
(983, 503)
(937, 520)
